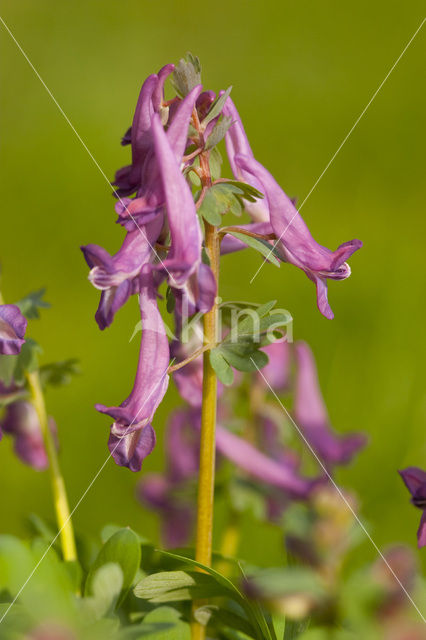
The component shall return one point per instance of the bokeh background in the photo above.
(301, 74)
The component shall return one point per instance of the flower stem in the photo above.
(203, 549)
(63, 516)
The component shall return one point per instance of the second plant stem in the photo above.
(60, 500)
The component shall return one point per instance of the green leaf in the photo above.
(187, 74)
(106, 584)
(176, 586)
(218, 132)
(214, 616)
(170, 300)
(122, 548)
(221, 366)
(220, 199)
(164, 623)
(251, 609)
(249, 193)
(216, 107)
(260, 245)
(27, 360)
(215, 163)
(59, 373)
(253, 361)
(31, 303)
(294, 628)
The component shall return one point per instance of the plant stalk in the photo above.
(63, 515)
(206, 478)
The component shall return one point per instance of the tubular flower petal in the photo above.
(12, 329)
(311, 415)
(237, 143)
(185, 252)
(132, 437)
(115, 275)
(277, 371)
(294, 237)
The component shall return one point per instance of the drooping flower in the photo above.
(132, 437)
(12, 329)
(295, 239)
(277, 371)
(22, 423)
(415, 481)
(311, 415)
(117, 276)
(237, 143)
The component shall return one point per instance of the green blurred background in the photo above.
(301, 74)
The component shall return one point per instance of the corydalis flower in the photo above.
(12, 329)
(295, 239)
(415, 481)
(22, 423)
(132, 437)
(311, 415)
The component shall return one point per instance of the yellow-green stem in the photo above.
(203, 549)
(63, 516)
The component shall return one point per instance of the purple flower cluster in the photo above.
(12, 329)
(268, 461)
(164, 241)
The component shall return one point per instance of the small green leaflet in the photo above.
(59, 373)
(186, 75)
(260, 245)
(31, 303)
(218, 132)
(220, 199)
(14, 368)
(216, 107)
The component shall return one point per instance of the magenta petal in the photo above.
(158, 94)
(414, 478)
(295, 239)
(277, 371)
(12, 329)
(421, 533)
(130, 450)
(177, 133)
(21, 421)
(311, 415)
(185, 252)
(260, 466)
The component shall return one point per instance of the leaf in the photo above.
(218, 132)
(221, 366)
(27, 360)
(252, 610)
(253, 361)
(215, 616)
(122, 548)
(106, 586)
(175, 586)
(31, 303)
(249, 193)
(260, 245)
(215, 163)
(59, 373)
(216, 107)
(294, 628)
(219, 200)
(164, 623)
(187, 74)
(170, 300)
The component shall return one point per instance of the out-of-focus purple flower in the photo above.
(277, 371)
(12, 329)
(415, 481)
(132, 436)
(295, 239)
(21, 421)
(311, 415)
(127, 180)
(197, 294)
(188, 379)
(262, 467)
(237, 143)
(117, 276)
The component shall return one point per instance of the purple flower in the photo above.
(127, 179)
(278, 474)
(415, 481)
(197, 294)
(311, 415)
(21, 421)
(237, 143)
(184, 256)
(277, 371)
(12, 329)
(117, 276)
(132, 437)
(294, 237)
